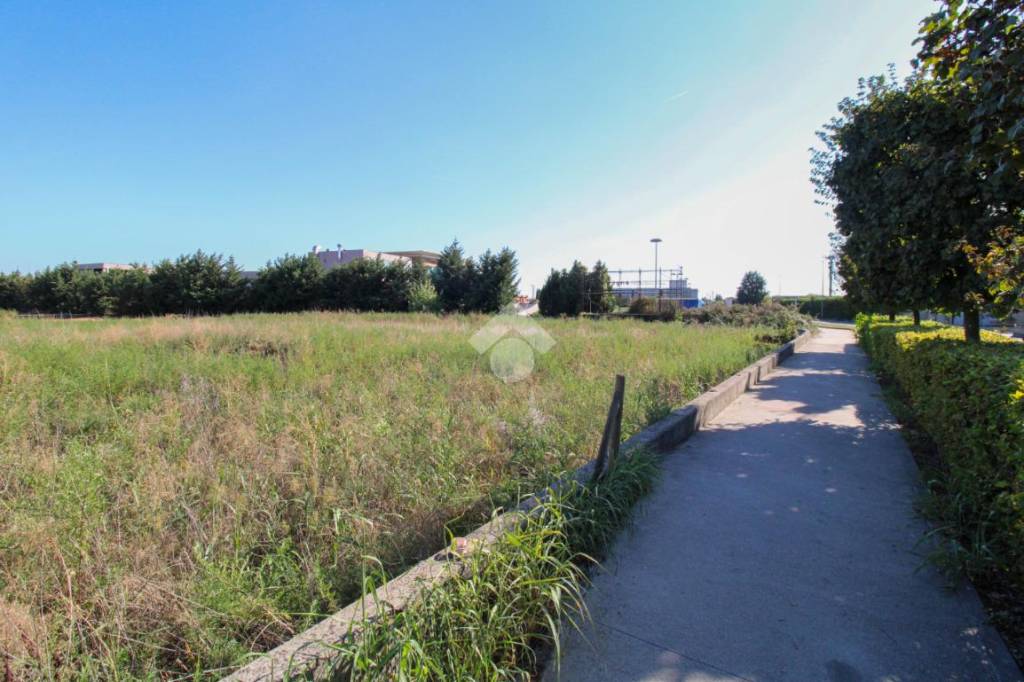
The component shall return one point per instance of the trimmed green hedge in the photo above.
(820, 307)
(969, 398)
(829, 308)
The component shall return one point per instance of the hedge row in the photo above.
(784, 321)
(209, 284)
(821, 307)
(969, 398)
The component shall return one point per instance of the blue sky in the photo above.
(134, 131)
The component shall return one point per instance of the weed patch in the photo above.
(178, 493)
(490, 619)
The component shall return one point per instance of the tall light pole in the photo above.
(831, 272)
(657, 275)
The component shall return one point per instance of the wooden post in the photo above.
(612, 431)
(613, 446)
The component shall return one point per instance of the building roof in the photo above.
(103, 267)
(422, 255)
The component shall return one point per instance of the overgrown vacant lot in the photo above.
(177, 493)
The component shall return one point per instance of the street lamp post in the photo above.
(657, 274)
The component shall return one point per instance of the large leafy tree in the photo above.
(847, 174)
(496, 283)
(370, 284)
(198, 284)
(466, 285)
(66, 289)
(753, 289)
(13, 291)
(290, 283)
(977, 46)
(128, 292)
(599, 290)
(549, 298)
(452, 278)
(577, 290)
(907, 202)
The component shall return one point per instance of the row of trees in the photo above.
(577, 290)
(924, 176)
(209, 284)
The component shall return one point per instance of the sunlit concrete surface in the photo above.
(781, 544)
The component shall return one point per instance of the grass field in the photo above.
(177, 493)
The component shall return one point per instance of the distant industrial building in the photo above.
(632, 284)
(332, 258)
(103, 267)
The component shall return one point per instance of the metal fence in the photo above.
(667, 286)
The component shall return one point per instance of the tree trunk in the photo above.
(892, 317)
(917, 318)
(972, 325)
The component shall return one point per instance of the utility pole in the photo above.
(831, 272)
(657, 274)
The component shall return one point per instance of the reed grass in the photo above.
(506, 606)
(178, 493)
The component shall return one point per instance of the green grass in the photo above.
(488, 621)
(177, 493)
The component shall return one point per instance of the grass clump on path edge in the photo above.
(507, 604)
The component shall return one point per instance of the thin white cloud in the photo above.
(678, 95)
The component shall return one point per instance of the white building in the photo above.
(332, 258)
(103, 267)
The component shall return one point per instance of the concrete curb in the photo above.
(683, 422)
(308, 654)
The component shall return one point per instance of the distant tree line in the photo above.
(925, 177)
(209, 284)
(577, 290)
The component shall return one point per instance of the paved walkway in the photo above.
(780, 545)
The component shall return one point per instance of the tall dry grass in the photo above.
(177, 493)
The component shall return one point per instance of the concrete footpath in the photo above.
(781, 544)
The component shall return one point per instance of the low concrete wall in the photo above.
(683, 422)
(308, 653)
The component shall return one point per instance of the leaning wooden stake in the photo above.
(609, 448)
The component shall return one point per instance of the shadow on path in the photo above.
(781, 544)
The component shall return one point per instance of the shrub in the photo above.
(423, 297)
(489, 618)
(652, 309)
(969, 398)
(822, 307)
(783, 322)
